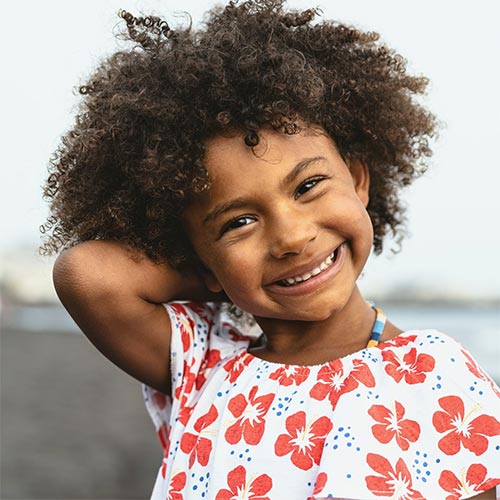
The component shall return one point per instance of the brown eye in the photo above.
(237, 223)
(307, 186)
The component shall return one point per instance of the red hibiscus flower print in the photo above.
(185, 410)
(240, 488)
(478, 372)
(398, 341)
(473, 366)
(304, 440)
(198, 446)
(163, 434)
(249, 414)
(335, 379)
(211, 358)
(234, 334)
(473, 481)
(461, 428)
(203, 310)
(411, 367)
(320, 484)
(392, 424)
(182, 393)
(188, 381)
(160, 399)
(288, 375)
(235, 366)
(395, 483)
(177, 483)
(186, 325)
(165, 442)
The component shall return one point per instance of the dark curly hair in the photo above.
(134, 158)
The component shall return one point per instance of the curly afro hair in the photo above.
(134, 158)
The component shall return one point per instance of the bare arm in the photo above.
(115, 300)
(487, 495)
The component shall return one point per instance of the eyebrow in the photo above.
(225, 207)
(302, 165)
(241, 202)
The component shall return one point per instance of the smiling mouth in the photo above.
(295, 280)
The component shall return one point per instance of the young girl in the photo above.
(244, 172)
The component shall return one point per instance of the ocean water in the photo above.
(476, 328)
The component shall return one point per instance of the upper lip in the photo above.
(304, 268)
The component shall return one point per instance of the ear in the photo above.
(361, 180)
(211, 282)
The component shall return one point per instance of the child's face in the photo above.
(280, 213)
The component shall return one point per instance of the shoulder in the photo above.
(430, 341)
(211, 314)
(206, 326)
(193, 312)
(416, 356)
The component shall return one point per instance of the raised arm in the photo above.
(114, 296)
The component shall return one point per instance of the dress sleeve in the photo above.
(202, 337)
(466, 420)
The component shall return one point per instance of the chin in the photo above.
(316, 315)
(313, 308)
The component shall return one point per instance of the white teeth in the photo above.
(299, 279)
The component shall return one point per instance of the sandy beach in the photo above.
(73, 426)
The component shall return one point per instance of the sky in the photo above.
(453, 245)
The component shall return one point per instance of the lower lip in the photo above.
(312, 284)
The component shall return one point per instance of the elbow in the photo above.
(76, 274)
(63, 273)
(91, 271)
(69, 277)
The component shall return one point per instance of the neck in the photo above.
(343, 332)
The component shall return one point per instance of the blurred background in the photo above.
(72, 425)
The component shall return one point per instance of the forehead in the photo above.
(228, 155)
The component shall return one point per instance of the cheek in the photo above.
(365, 222)
(241, 282)
(351, 217)
(236, 267)
(240, 274)
(364, 228)
(357, 228)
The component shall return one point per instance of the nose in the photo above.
(290, 234)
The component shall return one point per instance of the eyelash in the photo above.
(313, 180)
(227, 227)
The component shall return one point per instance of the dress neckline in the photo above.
(373, 341)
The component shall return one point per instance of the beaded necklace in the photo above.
(378, 326)
(374, 340)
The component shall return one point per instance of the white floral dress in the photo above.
(412, 418)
